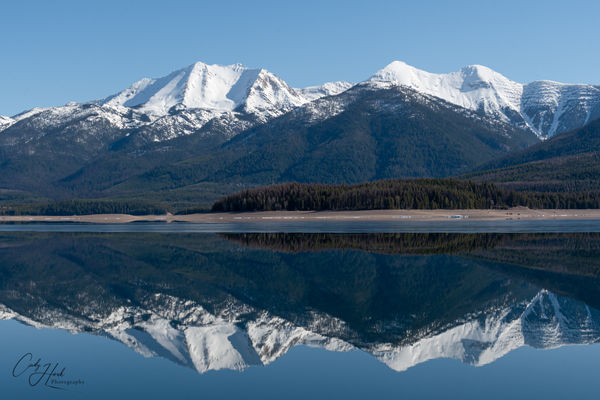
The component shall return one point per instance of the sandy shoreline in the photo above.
(366, 215)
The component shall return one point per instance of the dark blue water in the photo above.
(450, 226)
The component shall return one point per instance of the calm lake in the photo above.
(155, 311)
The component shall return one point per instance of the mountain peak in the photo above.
(478, 69)
(199, 85)
(474, 87)
(218, 89)
(481, 73)
(399, 72)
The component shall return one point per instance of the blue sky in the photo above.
(53, 52)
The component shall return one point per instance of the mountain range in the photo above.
(545, 107)
(206, 130)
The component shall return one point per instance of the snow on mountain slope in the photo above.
(557, 107)
(195, 86)
(547, 108)
(473, 87)
(213, 87)
(236, 97)
(327, 89)
(78, 123)
(28, 113)
(5, 122)
(232, 98)
(268, 96)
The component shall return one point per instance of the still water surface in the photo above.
(355, 226)
(299, 315)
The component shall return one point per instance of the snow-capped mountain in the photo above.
(546, 107)
(89, 138)
(89, 124)
(463, 119)
(212, 87)
(234, 97)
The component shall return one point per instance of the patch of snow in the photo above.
(28, 113)
(327, 89)
(5, 122)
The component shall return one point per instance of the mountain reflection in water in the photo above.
(229, 301)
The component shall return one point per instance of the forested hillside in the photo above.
(397, 194)
(569, 162)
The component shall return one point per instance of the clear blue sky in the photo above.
(53, 52)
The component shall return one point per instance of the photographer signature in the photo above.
(49, 374)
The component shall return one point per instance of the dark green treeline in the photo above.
(398, 194)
